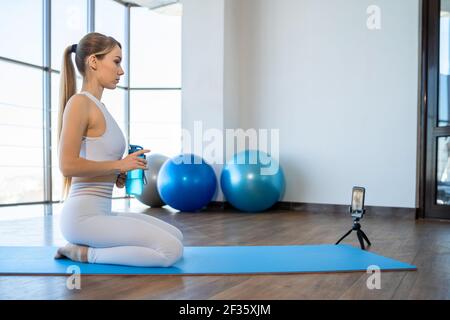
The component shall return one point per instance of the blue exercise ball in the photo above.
(186, 182)
(252, 182)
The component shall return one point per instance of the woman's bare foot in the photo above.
(73, 252)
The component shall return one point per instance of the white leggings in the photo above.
(132, 239)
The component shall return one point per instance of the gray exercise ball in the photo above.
(150, 195)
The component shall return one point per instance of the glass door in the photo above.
(437, 110)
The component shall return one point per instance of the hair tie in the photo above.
(74, 48)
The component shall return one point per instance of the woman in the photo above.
(91, 146)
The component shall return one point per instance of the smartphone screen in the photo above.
(358, 198)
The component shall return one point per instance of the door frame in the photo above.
(428, 108)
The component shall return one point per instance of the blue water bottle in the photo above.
(135, 181)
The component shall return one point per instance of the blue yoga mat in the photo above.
(211, 260)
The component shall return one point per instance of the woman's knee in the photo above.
(179, 234)
(173, 251)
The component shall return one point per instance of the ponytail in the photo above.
(67, 88)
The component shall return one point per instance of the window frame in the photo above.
(48, 72)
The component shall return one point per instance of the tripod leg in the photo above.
(361, 241)
(344, 236)
(365, 237)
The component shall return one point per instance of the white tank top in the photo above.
(111, 145)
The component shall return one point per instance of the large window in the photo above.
(21, 134)
(21, 30)
(155, 80)
(146, 105)
(155, 49)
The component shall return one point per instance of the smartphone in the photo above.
(358, 194)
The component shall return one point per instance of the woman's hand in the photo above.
(132, 161)
(120, 182)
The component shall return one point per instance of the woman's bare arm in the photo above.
(75, 123)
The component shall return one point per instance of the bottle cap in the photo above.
(134, 148)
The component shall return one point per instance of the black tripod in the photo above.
(357, 227)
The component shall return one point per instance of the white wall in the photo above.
(344, 97)
(202, 70)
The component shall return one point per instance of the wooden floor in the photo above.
(425, 244)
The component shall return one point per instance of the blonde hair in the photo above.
(91, 44)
